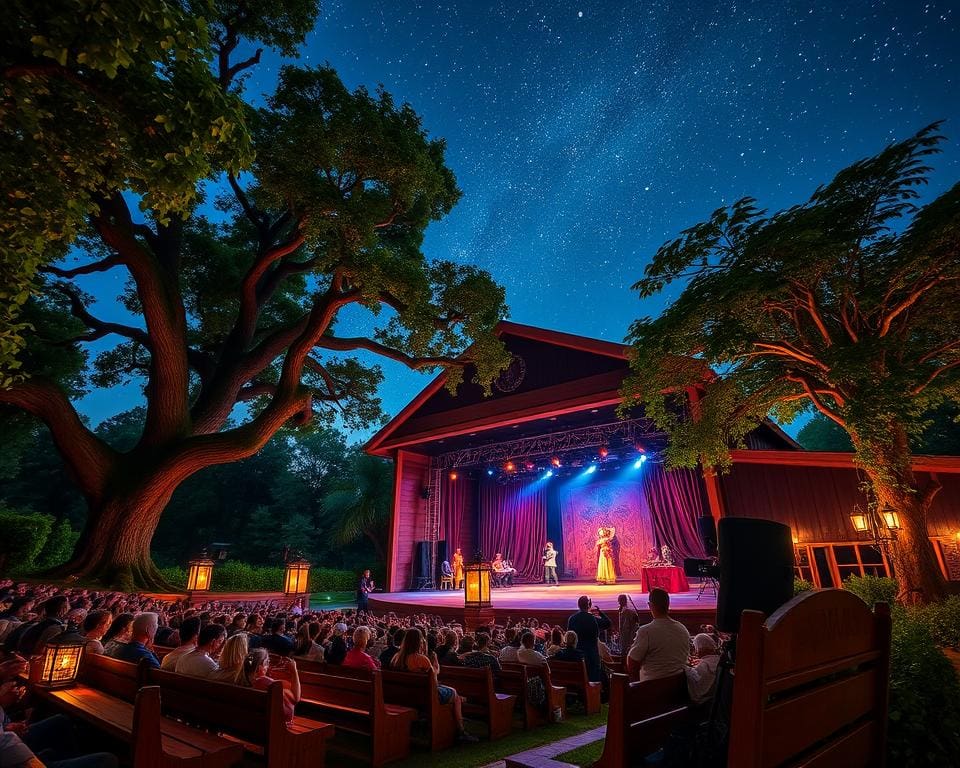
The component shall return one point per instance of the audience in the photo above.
(201, 661)
(143, 629)
(526, 654)
(256, 666)
(357, 656)
(118, 634)
(231, 663)
(702, 675)
(396, 640)
(511, 645)
(336, 650)
(629, 621)
(95, 626)
(588, 623)
(447, 652)
(305, 647)
(481, 656)
(189, 629)
(569, 651)
(276, 641)
(661, 648)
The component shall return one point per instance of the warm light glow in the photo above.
(476, 585)
(199, 574)
(509, 466)
(453, 475)
(61, 660)
(297, 577)
(892, 520)
(555, 462)
(859, 521)
(957, 536)
(796, 539)
(604, 452)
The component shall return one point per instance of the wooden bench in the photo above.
(356, 706)
(255, 718)
(109, 697)
(481, 699)
(811, 684)
(419, 690)
(573, 676)
(513, 680)
(534, 715)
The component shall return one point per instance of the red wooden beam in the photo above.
(836, 460)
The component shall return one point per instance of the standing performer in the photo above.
(606, 573)
(364, 588)
(550, 564)
(457, 569)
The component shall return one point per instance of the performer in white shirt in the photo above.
(550, 564)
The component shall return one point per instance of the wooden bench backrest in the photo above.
(811, 683)
(476, 684)
(112, 676)
(355, 692)
(569, 673)
(411, 689)
(243, 712)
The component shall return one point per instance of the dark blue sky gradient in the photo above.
(586, 134)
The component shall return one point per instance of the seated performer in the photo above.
(502, 573)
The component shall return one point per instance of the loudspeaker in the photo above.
(707, 527)
(441, 556)
(756, 568)
(421, 560)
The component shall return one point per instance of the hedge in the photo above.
(237, 576)
(32, 542)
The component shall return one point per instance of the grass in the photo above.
(585, 755)
(486, 752)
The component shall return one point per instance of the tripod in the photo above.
(707, 582)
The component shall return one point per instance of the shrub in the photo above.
(872, 589)
(802, 585)
(942, 621)
(176, 575)
(59, 545)
(332, 580)
(924, 710)
(23, 538)
(237, 576)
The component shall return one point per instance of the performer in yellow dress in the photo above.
(606, 574)
(458, 569)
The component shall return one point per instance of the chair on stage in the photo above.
(446, 582)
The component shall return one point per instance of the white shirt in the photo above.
(551, 558)
(701, 678)
(508, 653)
(196, 663)
(169, 662)
(661, 648)
(531, 657)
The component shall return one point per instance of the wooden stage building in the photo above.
(546, 458)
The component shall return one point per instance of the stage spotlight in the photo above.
(510, 466)
(453, 475)
(604, 451)
(529, 465)
(555, 462)
(548, 473)
(490, 471)
(591, 469)
(639, 462)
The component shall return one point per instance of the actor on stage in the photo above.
(458, 569)
(364, 588)
(501, 572)
(550, 564)
(606, 574)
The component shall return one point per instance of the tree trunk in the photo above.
(896, 488)
(114, 548)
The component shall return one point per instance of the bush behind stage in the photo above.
(236, 576)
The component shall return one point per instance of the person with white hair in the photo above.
(702, 676)
(357, 656)
(143, 629)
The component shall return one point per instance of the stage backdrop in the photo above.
(586, 507)
(513, 522)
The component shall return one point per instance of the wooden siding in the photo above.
(409, 516)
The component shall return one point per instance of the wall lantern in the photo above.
(61, 660)
(296, 577)
(891, 519)
(859, 521)
(199, 573)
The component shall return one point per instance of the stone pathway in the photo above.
(542, 756)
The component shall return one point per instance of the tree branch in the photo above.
(942, 369)
(415, 363)
(85, 269)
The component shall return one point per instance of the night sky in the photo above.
(586, 134)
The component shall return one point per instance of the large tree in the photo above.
(236, 308)
(848, 304)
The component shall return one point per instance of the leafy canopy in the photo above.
(848, 303)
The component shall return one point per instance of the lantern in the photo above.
(200, 573)
(859, 521)
(796, 540)
(295, 578)
(476, 592)
(891, 519)
(61, 660)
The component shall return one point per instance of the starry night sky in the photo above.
(585, 134)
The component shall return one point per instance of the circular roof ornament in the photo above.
(512, 376)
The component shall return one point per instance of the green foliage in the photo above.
(802, 585)
(360, 502)
(924, 728)
(873, 589)
(942, 621)
(236, 576)
(821, 434)
(59, 545)
(23, 538)
(837, 304)
(940, 435)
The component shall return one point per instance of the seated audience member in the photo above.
(466, 645)
(95, 625)
(336, 650)
(143, 629)
(49, 742)
(481, 656)
(239, 624)
(412, 657)
(556, 641)
(257, 665)
(396, 640)
(357, 656)
(526, 654)
(660, 648)
(118, 635)
(305, 648)
(275, 641)
(447, 651)
(511, 646)
(31, 637)
(200, 662)
(702, 676)
(189, 629)
(569, 651)
(254, 630)
(231, 662)
(378, 640)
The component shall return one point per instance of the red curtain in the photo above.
(513, 521)
(456, 514)
(676, 501)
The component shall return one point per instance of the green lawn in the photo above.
(485, 752)
(583, 756)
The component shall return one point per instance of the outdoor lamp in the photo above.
(859, 521)
(296, 576)
(891, 519)
(61, 659)
(200, 573)
(476, 592)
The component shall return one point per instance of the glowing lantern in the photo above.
(200, 573)
(891, 519)
(296, 577)
(61, 660)
(476, 592)
(859, 521)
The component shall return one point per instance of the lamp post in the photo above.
(477, 608)
(296, 579)
(200, 573)
(61, 660)
(878, 524)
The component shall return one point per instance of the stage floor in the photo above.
(551, 604)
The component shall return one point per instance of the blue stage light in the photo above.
(638, 463)
(591, 469)
(490, 472)
(548, 473)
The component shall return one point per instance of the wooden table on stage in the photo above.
(668, 577)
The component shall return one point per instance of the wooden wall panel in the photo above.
(409, 510)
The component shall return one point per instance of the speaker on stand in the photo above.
(422, 568)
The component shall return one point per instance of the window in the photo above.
(832, 563)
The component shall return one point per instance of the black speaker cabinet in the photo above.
(707, 527)
(756, 568)
(441, 556)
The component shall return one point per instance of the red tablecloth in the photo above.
(668, 577)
